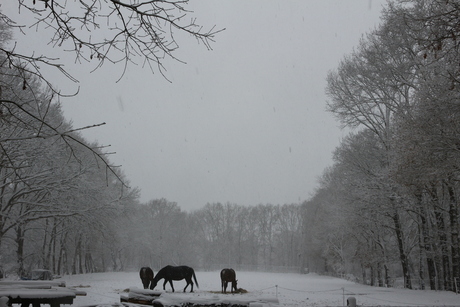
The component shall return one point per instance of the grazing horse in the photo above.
(226, 276)
(146, 275)
(170, 273)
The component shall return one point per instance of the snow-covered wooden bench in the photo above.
(35, 293)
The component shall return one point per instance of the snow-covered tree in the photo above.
(401, 83)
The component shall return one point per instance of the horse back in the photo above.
(228, 275)
(146, 273)
(175, 272)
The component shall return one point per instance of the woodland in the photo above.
(386, 210)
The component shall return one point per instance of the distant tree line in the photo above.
(387, 209)
(259, 237)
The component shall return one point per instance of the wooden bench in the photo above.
(36, 293)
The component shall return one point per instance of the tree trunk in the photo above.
(44, 253)
(80, 257)
(120, 259)
(427, 245)
(444, 271)
(53, 247)
(402, 255)
(379, 274)
(61, 263)
(89, 264)
(442, 233)
(372, 277)
(49, 254)
(104, 268)
(453, 215)
(20, 250)
(114, 260)
(421, 271)
(65, 264)
(76, 264)
(387, 275)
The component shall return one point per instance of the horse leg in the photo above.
(189, 282)
(171, 283)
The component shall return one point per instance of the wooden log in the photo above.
(143, 292)
(140, 296)
(159, 304)
(78, 292)
(161, 299)
(213, 305)
(125, 299)
(153, 302)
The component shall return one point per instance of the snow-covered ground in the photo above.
(288, 289)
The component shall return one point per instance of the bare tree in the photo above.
(117, 31)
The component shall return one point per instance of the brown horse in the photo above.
(146, 275)
(170, 273)
(226, 276)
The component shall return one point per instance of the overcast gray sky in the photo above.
(244, 123)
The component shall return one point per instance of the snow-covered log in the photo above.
(163, 299)
(140, 296)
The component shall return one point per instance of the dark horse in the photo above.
(170, 273)
(146, 275)
(226, 276)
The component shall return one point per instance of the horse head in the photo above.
(153, 284)
(235, 285)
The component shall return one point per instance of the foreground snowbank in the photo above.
(290, 289)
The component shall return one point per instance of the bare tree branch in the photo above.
(110, 30)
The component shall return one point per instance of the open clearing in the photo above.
(290, 289)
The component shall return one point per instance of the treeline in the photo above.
(256, 237)
(392, 195)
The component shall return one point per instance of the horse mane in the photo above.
(160, 274)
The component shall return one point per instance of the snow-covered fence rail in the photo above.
(254, 268)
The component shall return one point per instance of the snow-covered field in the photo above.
(289, 289)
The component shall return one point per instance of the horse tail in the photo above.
(194, 277)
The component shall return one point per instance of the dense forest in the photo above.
(386, 210)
